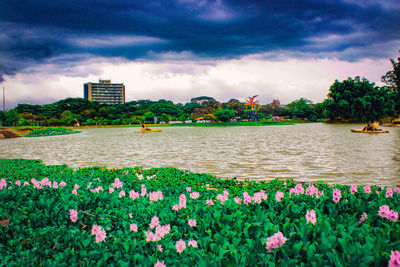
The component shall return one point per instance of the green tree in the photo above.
(12, 117)
(392, 79)
(224, 115)
(67, 118)
(357, 99)
(302, 108)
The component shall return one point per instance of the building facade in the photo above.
(105, 92)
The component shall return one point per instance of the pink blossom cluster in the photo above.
(150, 177)
(246, 198)
(26, 183)
(367, 189)
(55, 185)
(397, 190)
(62, 184)
(73, 215)
(209, 202)
(36, 184)
(75, 190)
(3, 184)
(192, 222)
(353, 189)
(99, 232)
(111, 190)
(139, 176)
(389, 192)
(154, 222)
(394, 259)
(278, 196)
(46, 182)
(121, 193)
(188, 189)
(311, 216)
(223, 197)
(97, 189)
(160, 233)
(155, 196)
(238, 200)
(159, 248)
(386, 212)
(159, 264)
(133, 227)
(297, 190)
(259, 196)
(143, 191)
(180, 246)
(133, 195)
(336, 195)
(182, 203)
(363, 218)
(117, 183)
(18, 183)
(192, 243)
(275, 241)
(312, 190)
(194, 195)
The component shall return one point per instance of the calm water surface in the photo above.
(305, 152)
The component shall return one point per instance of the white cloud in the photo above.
(179, 81)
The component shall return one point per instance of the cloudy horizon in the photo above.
(180, 49)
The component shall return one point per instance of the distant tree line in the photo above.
(354, 99)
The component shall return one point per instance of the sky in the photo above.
(180, 49)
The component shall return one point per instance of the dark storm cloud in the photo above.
(35, 31)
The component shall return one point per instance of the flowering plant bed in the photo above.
(50, 132)
(56, 215)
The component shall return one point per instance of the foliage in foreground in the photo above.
(56, 215)
(50, 132)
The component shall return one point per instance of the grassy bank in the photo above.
(56, 215)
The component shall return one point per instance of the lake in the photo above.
(306, 152)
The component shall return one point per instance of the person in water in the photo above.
(144, 127)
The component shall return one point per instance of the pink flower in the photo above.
(130, 215)
(182, 201)
(111, 190)
(18, 182)
(101, 235)
(192, 222)
(311, 216)
(387, 213)
(139, 176)
(246, 198)
(238, 200)
(95, 229)
(99, 232)
(133, 227)
(194, 195)
(133, 195)
(3, 184)
(397, 190)
(74, 192)
(62, 184)
(155, 196)
(275, 241)
(364, 217)
(188, 189)
(180, 246)
(389, 192)
(159, 264)
(353, 189)
(278, 196)
(209, 202)
(121, 193)
(297, 190)
(73, 215)
(223, 198)
(367, 189)
(311, 190)
(159, 248)
(175, 207)
(55, 185)
(192, 243)
(117, 183)
(143, 191)
(394, 259)
(154, 222)
(336, 195)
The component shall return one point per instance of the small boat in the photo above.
(149, 131)
(368, 131)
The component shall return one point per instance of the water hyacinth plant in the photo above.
(56, 215)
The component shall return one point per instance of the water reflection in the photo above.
(305, 152)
